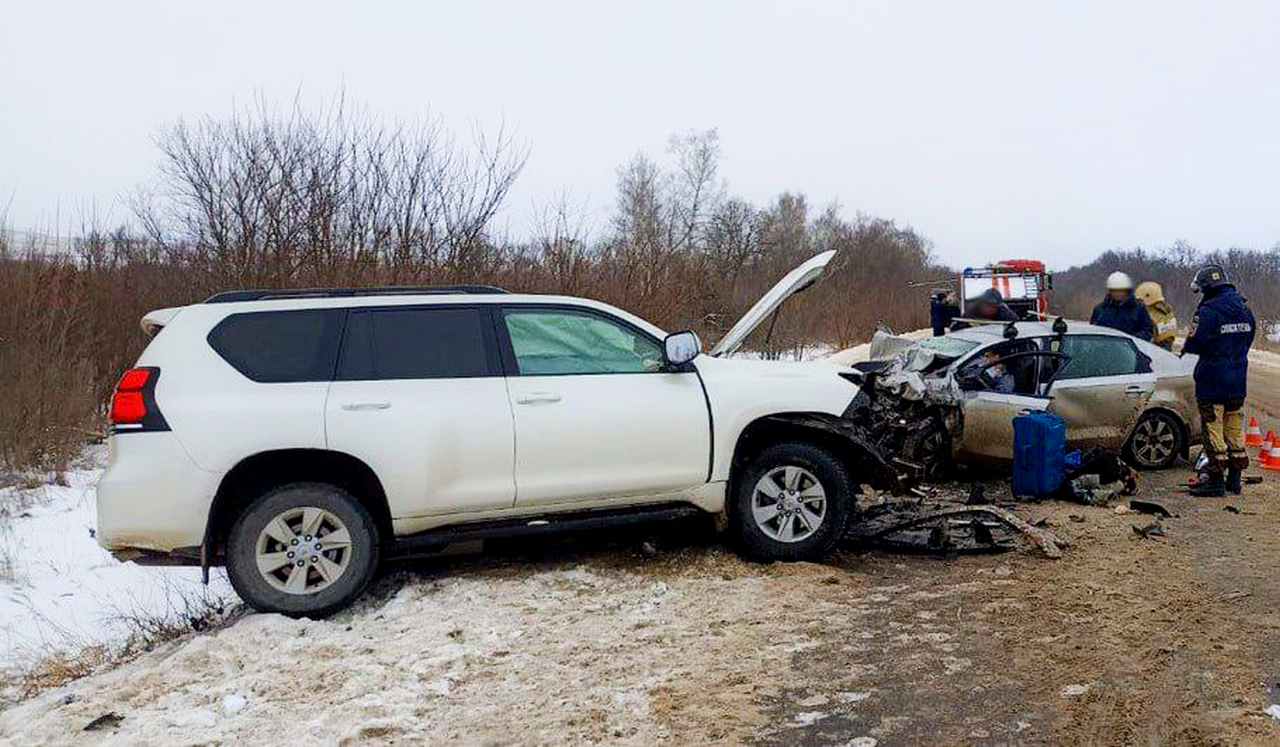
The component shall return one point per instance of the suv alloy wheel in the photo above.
(304, 550)
(792, 502)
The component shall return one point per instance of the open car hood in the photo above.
(795, 281)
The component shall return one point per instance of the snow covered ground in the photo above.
(63, 592)
(613, 650)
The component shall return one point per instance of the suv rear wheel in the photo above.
(793, 501)
(304, 550)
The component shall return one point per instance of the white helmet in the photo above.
(1118, 281)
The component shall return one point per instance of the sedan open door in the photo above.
(994, 391)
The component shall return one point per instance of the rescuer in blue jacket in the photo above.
(1222, 332)
(1121, 310)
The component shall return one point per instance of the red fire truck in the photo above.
(1024, 283)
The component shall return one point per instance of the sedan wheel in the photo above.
(1156, 442)
(788, 504)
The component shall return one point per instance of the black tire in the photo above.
(835, 482)
(358, 570)
(1138, 450)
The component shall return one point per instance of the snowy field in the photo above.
(62, 592)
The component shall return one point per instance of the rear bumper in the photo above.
(152, 497)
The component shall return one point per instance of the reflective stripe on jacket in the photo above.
(1165, 322)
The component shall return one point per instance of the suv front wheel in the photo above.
(304, 550)
(793, 501)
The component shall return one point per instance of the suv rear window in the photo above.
(438, 343)
(273, 347)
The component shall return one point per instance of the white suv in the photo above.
(300, 436)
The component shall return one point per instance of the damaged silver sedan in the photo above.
(953, 398)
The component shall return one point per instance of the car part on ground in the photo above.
(948, 527)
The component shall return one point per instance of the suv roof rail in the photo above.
(392, 290)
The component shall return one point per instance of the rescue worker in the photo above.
(1222, 332)
(1120, 310)
(943, 309)
(1166, 323)
(988, 306)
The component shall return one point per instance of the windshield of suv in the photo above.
(930, 352)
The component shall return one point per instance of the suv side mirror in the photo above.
(680, 347)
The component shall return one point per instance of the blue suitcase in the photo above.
(1039, 453)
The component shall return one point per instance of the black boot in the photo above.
(1235, 484)
(1212, 487)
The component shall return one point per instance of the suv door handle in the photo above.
(1133, 390)
(537, 398)
(366, 406)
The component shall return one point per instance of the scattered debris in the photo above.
(978, 495)
(949, 527)
(1150, 507)
(1273, 711)
(1231, 509)
(1074, 691)
(1089, 491)
(1121, 509)
(1077, 518)
(1151, 531)
(1235, 595)
(106, 721)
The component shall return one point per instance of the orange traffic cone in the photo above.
(1264, 455)
(1273, 458)
(1253, 436)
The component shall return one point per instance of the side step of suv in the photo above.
(434, 540)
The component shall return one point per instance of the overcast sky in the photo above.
(996, 129)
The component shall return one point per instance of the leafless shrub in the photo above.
(66, 656)
(1255, 273)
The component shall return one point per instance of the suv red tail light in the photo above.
(133, 408)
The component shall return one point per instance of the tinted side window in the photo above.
(552, 341)
(273, 347)
(441, 343)
(1098, 356)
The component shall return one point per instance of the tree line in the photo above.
(336, 197)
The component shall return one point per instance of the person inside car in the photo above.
(987, 369)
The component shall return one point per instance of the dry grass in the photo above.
(67, 657)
